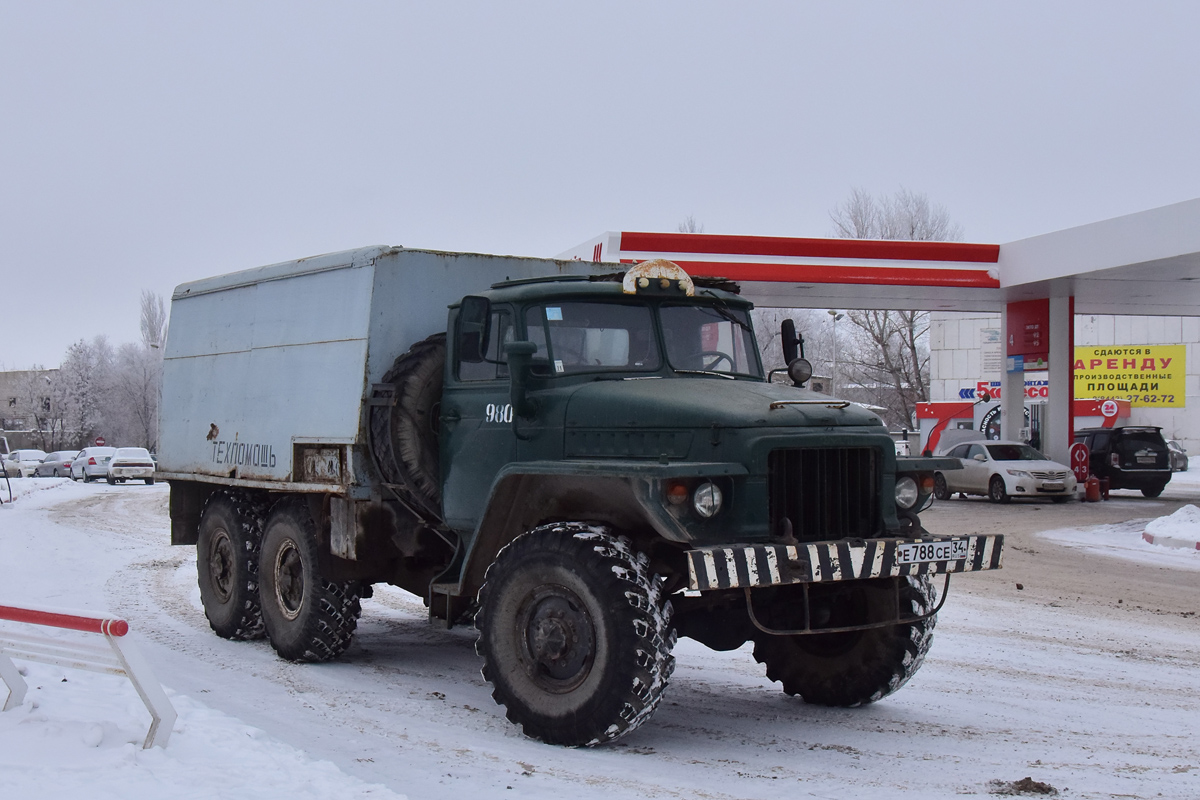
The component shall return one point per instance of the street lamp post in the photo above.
(833, 378)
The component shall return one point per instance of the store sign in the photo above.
(1034, 390)
(1148, 376)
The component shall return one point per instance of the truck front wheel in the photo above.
(857, 667)
(575, 634)
(307, 617)
(227, 566)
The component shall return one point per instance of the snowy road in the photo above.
(1095, 699)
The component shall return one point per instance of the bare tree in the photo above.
(83, 386)
(691, 225)
(890, 358)
(906, 216)
(133, 396)
(154, 319)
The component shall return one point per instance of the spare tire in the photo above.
(404, 435)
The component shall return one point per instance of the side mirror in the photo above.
(519, 355)
(980, 457)
(474, 313)
(792, 344)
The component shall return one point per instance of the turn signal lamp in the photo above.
(677, 494)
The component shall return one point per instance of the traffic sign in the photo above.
(1079, 461)
(99, 441)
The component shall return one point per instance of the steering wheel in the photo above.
(717, 357)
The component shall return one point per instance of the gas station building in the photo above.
(1108, 311)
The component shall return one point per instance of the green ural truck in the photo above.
(585, 464)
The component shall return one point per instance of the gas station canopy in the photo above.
(1146, 263)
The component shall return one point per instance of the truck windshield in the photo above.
(709, 339)
(592, 337)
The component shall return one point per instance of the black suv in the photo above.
(1132, 457)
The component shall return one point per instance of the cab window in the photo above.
(493, 366)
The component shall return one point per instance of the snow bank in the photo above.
(1183, 524)
(79, 734)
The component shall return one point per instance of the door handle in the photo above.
(450, 417)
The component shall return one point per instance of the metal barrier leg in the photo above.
(13, 680)
(162, 713)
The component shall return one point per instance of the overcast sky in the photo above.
(147, 144)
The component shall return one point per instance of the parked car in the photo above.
(1132, 457)
(12, 468)
(131, 463)
(1178, 455)
(26, 461)
(91, 463)
(56, 465)
(1003, 470)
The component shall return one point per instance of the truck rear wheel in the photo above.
(575, 634)
(307, 617)
(227, 565)
(404, 436)
(857, 667)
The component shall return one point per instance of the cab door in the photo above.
(475, 425)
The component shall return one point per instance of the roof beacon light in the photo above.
(657, 276)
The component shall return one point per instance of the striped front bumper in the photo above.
(774, 565)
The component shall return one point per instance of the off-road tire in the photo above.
(940, 490)
(307, 617)
(227, 550)
(404, 437)
(859, 667)
(575, 634)
(997, 492)
(1153, 491)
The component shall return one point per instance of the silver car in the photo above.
(131, 463)
(1003, 470)
(56, 465)
(24, 461)
(91, 463)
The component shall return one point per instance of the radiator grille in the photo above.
(825, 492)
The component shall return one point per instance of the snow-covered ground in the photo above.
(1086, 703)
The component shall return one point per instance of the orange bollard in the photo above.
(1091, 489)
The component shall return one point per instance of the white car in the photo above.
(91, 463)
(1003, 470)
(26, 461)
(131, 463)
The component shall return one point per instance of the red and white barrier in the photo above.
(117, 656)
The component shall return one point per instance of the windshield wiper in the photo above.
(705, 372)
(720, 308)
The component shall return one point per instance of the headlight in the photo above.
(1020, 473)
(906, 492)
(707, 500)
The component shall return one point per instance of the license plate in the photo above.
(924, 552)
(1052, 485)
(1145, 459)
